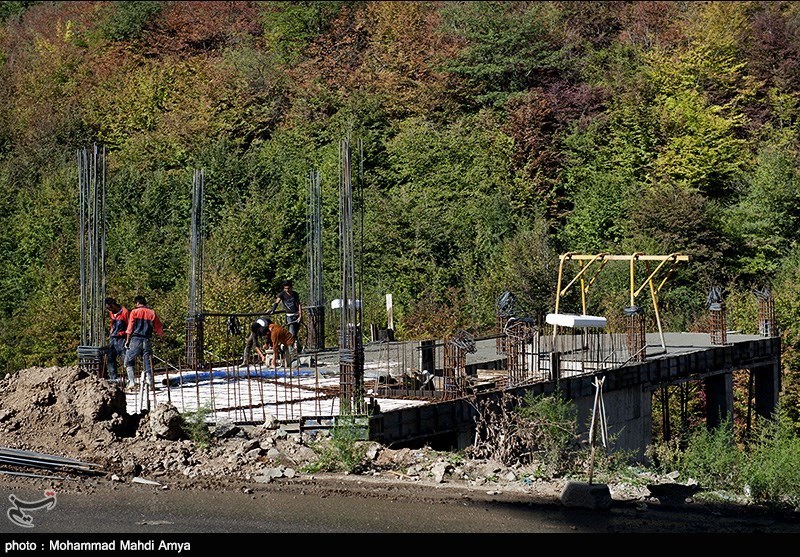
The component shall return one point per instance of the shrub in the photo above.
(711, 457)
(195, 426)
(771, 472)
(343, 451)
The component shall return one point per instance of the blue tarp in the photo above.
(197, 377)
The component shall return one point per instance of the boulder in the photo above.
(589, 496)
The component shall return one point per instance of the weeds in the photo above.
(534, 429)
(195, 427)
(772, 472)
(343, 451)
(767, 469)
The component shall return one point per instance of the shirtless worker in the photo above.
(277, 336)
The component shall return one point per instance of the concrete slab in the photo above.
(311, 389)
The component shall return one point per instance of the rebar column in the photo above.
(766, 313)
(519, 334)
(505, 310)
(195, 342)
(635, 336)
(92, 204)
(716, 317)
(316, 296)
(454, 373)
(351, 349)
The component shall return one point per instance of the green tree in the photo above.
(765, 220)
(291, 26)
(447, 209)
(123, 21)
(508, 47)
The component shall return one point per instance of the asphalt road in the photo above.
(150, 512)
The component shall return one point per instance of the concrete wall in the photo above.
(628, 414)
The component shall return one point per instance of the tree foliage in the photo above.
(509, 47)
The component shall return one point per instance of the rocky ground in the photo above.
(66, 413)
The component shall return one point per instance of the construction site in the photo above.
(407, 392)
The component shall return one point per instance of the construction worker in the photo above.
(142, 323)
(257, 330)
(294, 311)
(281, 340)
(116, 337)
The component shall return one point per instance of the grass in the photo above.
(765, 469)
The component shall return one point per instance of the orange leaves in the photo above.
(389, 49)
(190, 27)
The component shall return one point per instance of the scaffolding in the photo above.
(595, 263)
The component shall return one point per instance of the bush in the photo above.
(710, 457)
(534, 429)
(343, 451)
(767, 469)
(771, 472)
(195, 426)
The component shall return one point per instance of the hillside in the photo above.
(489, 138)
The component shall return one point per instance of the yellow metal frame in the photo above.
(599, 261)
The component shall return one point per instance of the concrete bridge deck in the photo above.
(627, 390)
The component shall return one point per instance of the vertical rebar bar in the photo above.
(195, 348)
(316, 295)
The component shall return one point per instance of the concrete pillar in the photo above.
(555, 366)
(767, 383)
(629, 417)
(719, 399)
(427, 356)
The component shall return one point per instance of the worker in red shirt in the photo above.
(118, 314)
(142, 323)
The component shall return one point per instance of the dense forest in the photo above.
(496, 136)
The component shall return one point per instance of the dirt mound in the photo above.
(60, 410)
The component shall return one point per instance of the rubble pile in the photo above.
(69, 413)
